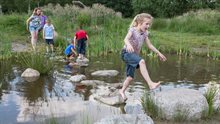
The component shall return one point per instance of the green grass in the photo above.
(210, 95)
(199, 22)
(183, 43)
(178, 35)
(181, 114)
(150, 107)
(35, 61)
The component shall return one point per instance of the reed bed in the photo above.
(107, 29)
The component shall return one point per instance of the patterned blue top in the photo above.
(48, 31)
(137, 39)
(35, 21)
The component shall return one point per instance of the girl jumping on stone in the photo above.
(137, 34)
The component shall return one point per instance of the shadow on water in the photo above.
(54, 99)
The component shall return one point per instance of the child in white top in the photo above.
(48, 35)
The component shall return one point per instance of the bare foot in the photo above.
(123, 95)
(154, 85)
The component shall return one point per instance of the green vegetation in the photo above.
(5, 68)
(210, 95)
(194, 33)
(150, 107)
(36, 61)
(181, 114)
(158, 8)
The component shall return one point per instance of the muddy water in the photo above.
(47, 100)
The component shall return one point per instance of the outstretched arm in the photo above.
(73, 50)
(129, 47)
(27, 22)
(151, 47)
(75, 41)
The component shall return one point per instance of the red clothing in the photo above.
(80, 34)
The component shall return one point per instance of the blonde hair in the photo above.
(139, 18)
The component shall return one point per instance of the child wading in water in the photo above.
(81, 39)
(48, 35)
(70, 51)
(134, 39)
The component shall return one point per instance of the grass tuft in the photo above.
(36, 61)
(149, 106)
(210, 95)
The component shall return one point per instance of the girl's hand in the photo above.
(129, 48)
(162, 57)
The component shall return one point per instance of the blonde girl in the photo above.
(33, 25)
(137, 34)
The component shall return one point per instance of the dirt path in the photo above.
(20, 47)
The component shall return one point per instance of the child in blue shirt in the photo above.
(70, 51)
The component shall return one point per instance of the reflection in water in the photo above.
(50, 97)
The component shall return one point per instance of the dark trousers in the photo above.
(81, 46)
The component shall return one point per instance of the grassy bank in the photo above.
(194, 33)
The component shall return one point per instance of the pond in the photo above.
(47, 100)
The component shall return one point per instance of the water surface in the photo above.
(48, 99)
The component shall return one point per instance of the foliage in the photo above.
(200, 22)
(158, 8)
(83, 19)
(106, 30)
(60, 44)
(149, 106)
(123, 6)
(171, 8)
(5, 47)
(210, 95)
(181, 113)
(36, 61)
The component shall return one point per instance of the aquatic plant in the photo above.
(210, 95)
(5, 47)
(149, 106)
(36, 61)
(181, 113)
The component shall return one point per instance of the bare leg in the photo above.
(125, 86)
(34, 39)
(51, 46)
(47, 48)
(146, 76)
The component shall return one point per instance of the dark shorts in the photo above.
(81, 46)
(49, 41)
(132, 62)
(71, 54)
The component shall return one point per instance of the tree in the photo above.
(170, 8)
